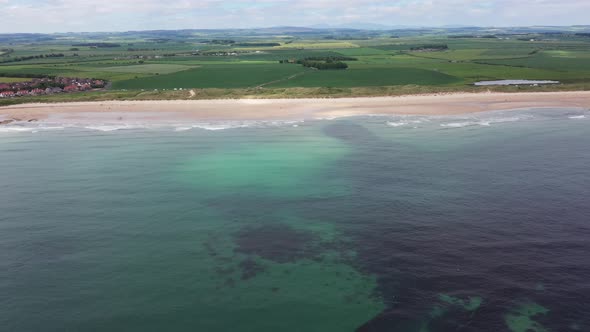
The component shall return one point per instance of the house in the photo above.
(7, 94)
(22, 92)
(71, 88)
(84, 86)
(37, 92)
(4, 86)
(53, 90)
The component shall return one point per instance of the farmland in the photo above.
(12, 79)
(238, 61)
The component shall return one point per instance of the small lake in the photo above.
(514, 82)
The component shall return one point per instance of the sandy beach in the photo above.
(287, 109)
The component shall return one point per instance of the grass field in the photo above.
(215, 76)
(382, 62)
(146, 69)
(13, 79)
(369, 76)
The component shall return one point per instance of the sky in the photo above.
(123, 15)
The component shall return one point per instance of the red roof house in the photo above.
(71, 88)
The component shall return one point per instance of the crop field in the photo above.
(146, 69)
(241, 59)
(369, 76)
(215, 76)
(13, 79)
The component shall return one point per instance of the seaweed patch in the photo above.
(276, 242)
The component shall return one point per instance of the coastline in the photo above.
(293, 109)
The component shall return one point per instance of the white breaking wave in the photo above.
(577, 117)
(107, 128)
(22, 129)
(396, 124)
(486, 122)
(404, 122)
(15, 129)
(215, 126)
(460, 124)
(179, 127)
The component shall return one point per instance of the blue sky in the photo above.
(120, 15)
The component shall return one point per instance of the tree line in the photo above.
(97, 44)
(257, 44)
(31, 57)
(322, 63)
(429, 47)
(20, 75)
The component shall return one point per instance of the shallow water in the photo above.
(410, 223)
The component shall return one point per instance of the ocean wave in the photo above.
(396, 124)
(216, 126)
(462, 124)
(23, 129)
(16, 129)
(404, 122)
(178, 127)
(577, 117)
(107, 128)
(485, 122)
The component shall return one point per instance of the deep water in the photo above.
(418, 224)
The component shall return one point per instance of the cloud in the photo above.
(84, 15)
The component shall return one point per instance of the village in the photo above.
(49, 86)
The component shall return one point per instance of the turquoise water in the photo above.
(474, 223)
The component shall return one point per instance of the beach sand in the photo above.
(294, 109)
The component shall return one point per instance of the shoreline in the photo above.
(292, 109)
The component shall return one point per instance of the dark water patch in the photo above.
(251, 268)
(221, 270)
(229, 282)
(349, 132)
(276, 242)
(426, 224)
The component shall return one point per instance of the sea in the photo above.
(475, 223)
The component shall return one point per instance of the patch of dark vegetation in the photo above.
(219, 41)
(276, 242)
(251, 268)
(257, 44)
(346, 37)
(6, 51)
(31, 57)
(98, 45)
(322, 63)
(430, 48)
(473, 36)
(21, 75)
(159, 40)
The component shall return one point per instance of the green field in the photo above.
(13, 79)
(369, 76)
(215, 76)
(404, 63)
(146, 69)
